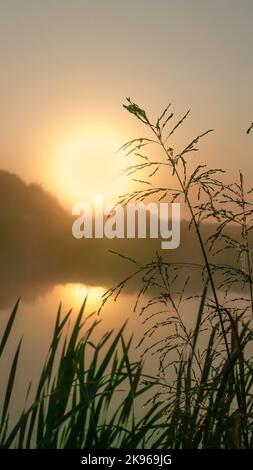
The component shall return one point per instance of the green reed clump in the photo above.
(86, 394)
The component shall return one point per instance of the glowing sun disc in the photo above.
(88, 164)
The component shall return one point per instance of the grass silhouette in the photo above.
(213, 365)
(88, 394)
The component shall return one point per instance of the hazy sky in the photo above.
(66, 67)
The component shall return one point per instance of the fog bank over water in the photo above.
(38, 251)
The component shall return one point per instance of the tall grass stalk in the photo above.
(225, 392)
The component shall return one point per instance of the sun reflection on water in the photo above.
(75, 294)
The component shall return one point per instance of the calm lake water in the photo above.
(35, 321)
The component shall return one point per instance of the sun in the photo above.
(86, 164)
